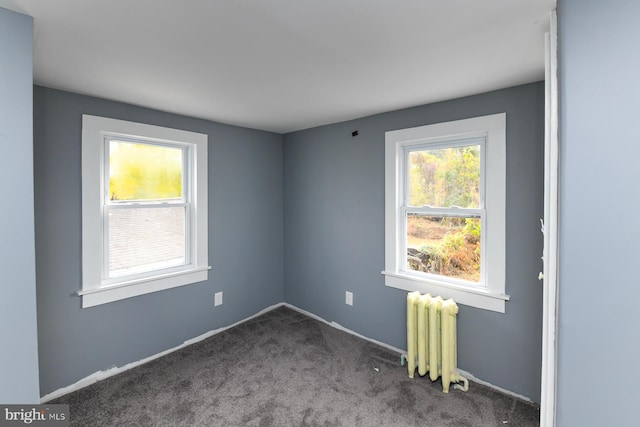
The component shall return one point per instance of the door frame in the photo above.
(550, 231)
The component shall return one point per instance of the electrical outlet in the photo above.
(218, 299)
(349, 298)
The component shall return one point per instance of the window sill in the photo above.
(106, 294)
(474, 297)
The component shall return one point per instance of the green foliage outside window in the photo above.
(448, 246)
(445, 177)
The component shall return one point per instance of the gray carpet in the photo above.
(286, 369)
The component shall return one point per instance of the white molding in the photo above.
(466, 295)
(103, 295)
(97, 289)
(342, 328)
(101, 375)
(400, 352)
(473, 378)
(492, 294)
(550, 251)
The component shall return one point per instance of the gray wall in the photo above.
(18, 335)
(334, 233)
(599, 342)
(245, 243)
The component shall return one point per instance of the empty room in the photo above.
(349, 213)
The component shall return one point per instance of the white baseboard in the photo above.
(101, 375)
(342, 328)
(466, 374)
(473, 378)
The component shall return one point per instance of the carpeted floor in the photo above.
(286, 369)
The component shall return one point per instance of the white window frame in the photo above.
(96, 287)
(490, 293)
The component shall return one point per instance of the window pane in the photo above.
(145, 239)
(140, 171)
(445, 177)
(448, 246)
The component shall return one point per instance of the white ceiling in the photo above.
(285, 65)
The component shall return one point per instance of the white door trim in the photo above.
(550, 229)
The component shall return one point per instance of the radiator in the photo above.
(431, 339)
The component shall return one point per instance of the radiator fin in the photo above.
(432, 339)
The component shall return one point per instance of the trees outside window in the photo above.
(445, 197)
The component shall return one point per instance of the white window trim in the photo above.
(491, 295)
(95, 289)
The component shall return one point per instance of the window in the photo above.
(144, 209)
(442, 209)
(445, 210)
